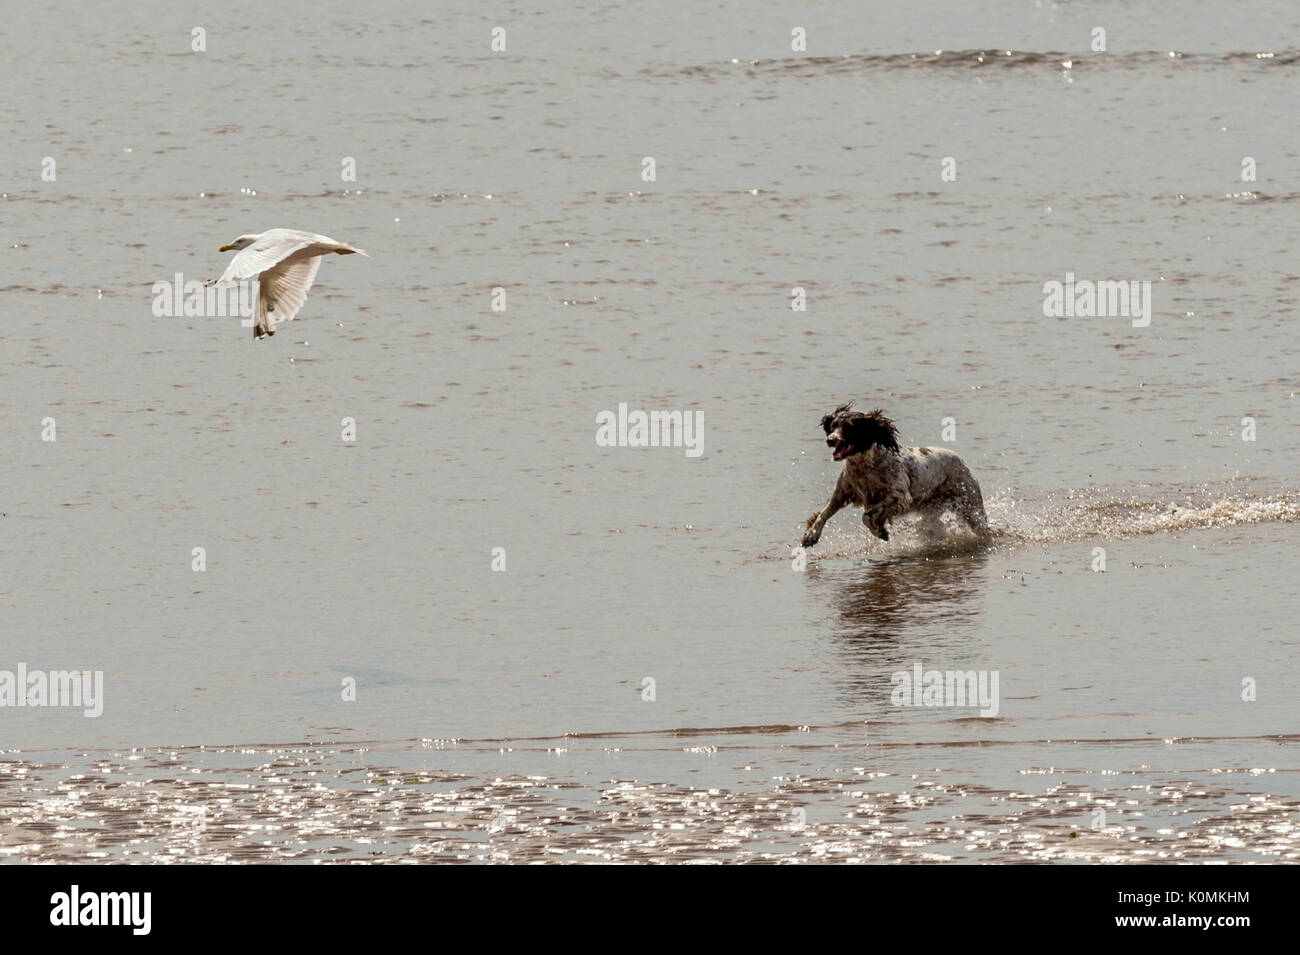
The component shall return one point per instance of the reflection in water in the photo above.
(893, 613)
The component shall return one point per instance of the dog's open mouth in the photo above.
(843, 451)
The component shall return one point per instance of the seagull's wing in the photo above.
(267, 252)
(277, 245)
(323, 244)
(314, 242)
(283, 288)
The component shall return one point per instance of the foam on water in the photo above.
(1084, 515)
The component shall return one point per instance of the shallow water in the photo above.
(502, 715)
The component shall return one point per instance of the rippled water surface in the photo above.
(650, 678)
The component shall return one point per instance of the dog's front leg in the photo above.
(876, 517)
(872, 522)
(818, 520)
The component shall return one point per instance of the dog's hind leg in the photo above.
(970, 508)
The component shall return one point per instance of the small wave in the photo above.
(960, 60)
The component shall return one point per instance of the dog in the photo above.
(889, 481)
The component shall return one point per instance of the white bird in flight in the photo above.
(284, 264)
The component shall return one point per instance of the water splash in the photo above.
(1073, 515)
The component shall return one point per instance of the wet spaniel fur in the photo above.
(888, 481)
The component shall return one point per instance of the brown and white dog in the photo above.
(889, 481)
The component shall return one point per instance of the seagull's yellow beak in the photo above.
(225, 248)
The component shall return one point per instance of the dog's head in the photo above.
(852, 432)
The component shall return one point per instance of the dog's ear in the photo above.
(875, 428)
(826, 422)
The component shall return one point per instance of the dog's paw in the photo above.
(811, 536)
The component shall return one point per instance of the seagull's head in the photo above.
(243, 242)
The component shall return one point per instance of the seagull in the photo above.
(284, 264)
